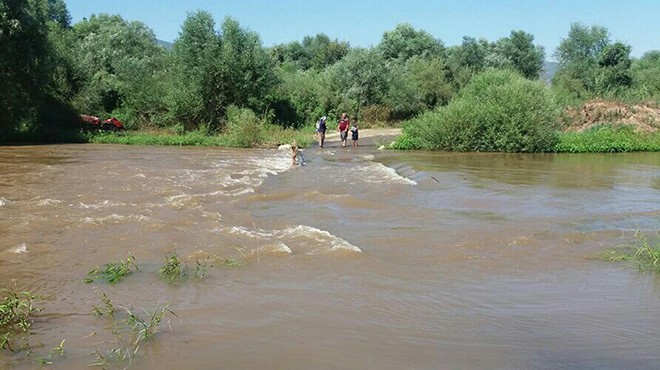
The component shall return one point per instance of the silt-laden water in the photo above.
(361, 259)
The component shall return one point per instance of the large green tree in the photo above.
(646, 74)
(24, 61)
(212, 71)
(405, 42)
(315, 52)
(520, 53)
(578, 56)
(117, 62)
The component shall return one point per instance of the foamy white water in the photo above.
(19, 249)
(378, 173)
(49, 202)
(297, 239)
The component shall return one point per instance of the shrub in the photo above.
(498, 111)
(244, 128)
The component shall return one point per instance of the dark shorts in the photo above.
(354, 135)
(343, 135)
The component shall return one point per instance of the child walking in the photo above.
(354, 132)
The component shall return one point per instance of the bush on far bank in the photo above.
(498, 111)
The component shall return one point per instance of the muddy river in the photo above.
(361, 259)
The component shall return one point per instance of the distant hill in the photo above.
(165, 44)
(549, 70)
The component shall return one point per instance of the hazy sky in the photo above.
(362, 22)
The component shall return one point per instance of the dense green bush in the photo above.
(498, 110)
(608, 138)
(244, 128)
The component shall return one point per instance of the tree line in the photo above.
(104, 65)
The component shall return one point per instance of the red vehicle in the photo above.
(110, 124)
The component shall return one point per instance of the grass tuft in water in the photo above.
(129, 331)
(56, 351)
(107, 308)
(643, 253)
(113, 271)
(173, 268)
(15, 311)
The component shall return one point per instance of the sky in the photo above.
(363, 22)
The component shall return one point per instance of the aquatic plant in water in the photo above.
(15, 311)
(129, 332)
(113, 271)
(643, 253)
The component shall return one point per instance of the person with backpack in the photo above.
(354, 132)
(320, 130)
(344, 122)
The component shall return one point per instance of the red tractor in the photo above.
(93, 122)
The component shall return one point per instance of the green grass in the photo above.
(113, 271)
(129, 330)
(644, 254)
(16, 309)
(608, 138)
(272, 137)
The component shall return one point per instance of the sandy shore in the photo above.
(368, 137)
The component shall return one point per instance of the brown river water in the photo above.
(361, 259)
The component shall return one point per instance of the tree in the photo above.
(578, 55)
(468, 59)
(646, 73)
(247, 69)
(404, 42)
(107, 51)
(215, 70)
(614, 67)
(519, 51)
(25, 67)
(315, 52)
(360, 79)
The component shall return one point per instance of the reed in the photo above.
(113, 271)
(129, 330)
(16, 309)
(643, 253)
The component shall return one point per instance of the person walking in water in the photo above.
(320, 130)
(354, 132)
(342, 127)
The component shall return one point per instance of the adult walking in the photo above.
(342, 127)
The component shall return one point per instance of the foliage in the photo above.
(28, 63)
(590, 65)
(15, 311)
(174, 269)
(213, 71)
(130, 331)
(608, 138)
(404, 42)
(117, 64)
(301, 97)
(244, 128)
(315, 52)
(642, 253)
(113, 271)
(498, 111)
(360, 79)
(519, 52)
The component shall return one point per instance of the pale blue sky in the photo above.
(362, 22)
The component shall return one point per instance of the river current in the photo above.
(360, 259)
